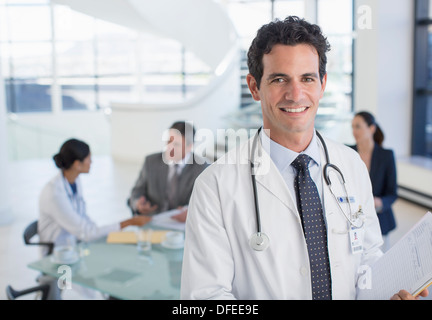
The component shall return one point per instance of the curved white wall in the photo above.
(202, 26)
(137, 128)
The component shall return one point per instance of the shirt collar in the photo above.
(283, 157)
(182, 162)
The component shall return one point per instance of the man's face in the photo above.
(290, 90)
(176, 148)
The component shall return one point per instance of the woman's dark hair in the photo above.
(71, 150)
(370, 120)
(291, 31)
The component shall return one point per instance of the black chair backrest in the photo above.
(31, 231)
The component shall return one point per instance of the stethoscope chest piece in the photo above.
(259, 241)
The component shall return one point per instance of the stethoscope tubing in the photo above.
(328, 165)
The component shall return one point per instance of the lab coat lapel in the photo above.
(268, 176)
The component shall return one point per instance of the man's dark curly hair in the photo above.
(291, 31)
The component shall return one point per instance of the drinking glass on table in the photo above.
(144, 241)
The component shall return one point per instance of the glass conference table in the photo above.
(121, 272)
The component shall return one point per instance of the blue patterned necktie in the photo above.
(309, 205)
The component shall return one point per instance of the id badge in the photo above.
(356, 235)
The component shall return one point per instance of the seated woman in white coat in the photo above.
(62, 210)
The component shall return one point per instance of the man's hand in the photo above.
(405, 295)
(136, 220)
(140, 220)
(145, 207)
(180, 217)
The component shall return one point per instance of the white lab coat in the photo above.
(218, 261)
(63, 217)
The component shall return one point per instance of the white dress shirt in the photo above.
(283, 157)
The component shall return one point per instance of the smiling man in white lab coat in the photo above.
(287, 65)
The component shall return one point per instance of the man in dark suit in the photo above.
(167, 178)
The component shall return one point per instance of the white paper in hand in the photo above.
(407, 265)
(164, 220)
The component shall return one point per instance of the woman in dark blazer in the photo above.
(382, 168)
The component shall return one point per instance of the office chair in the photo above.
(12, 294)
(29, 233)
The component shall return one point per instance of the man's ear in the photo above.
(323, 85)
(253, 87)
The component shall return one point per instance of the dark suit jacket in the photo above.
(384, 184)
(152, 181)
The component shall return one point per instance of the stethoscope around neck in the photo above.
(76, 199)
(259, 241)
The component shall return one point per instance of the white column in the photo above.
(6, 215)
(366, 55)
(310, 11)
(383, 67)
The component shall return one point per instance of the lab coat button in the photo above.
(303, 271)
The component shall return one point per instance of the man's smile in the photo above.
(294, 110)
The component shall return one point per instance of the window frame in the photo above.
(422, 90)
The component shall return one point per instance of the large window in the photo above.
(422, 104)
(57, 59)
(26, 55)
(71, 61)
(335, 17)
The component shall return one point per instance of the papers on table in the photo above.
(130, 236)
(407, 265)
(165, 220)
(161, 220)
